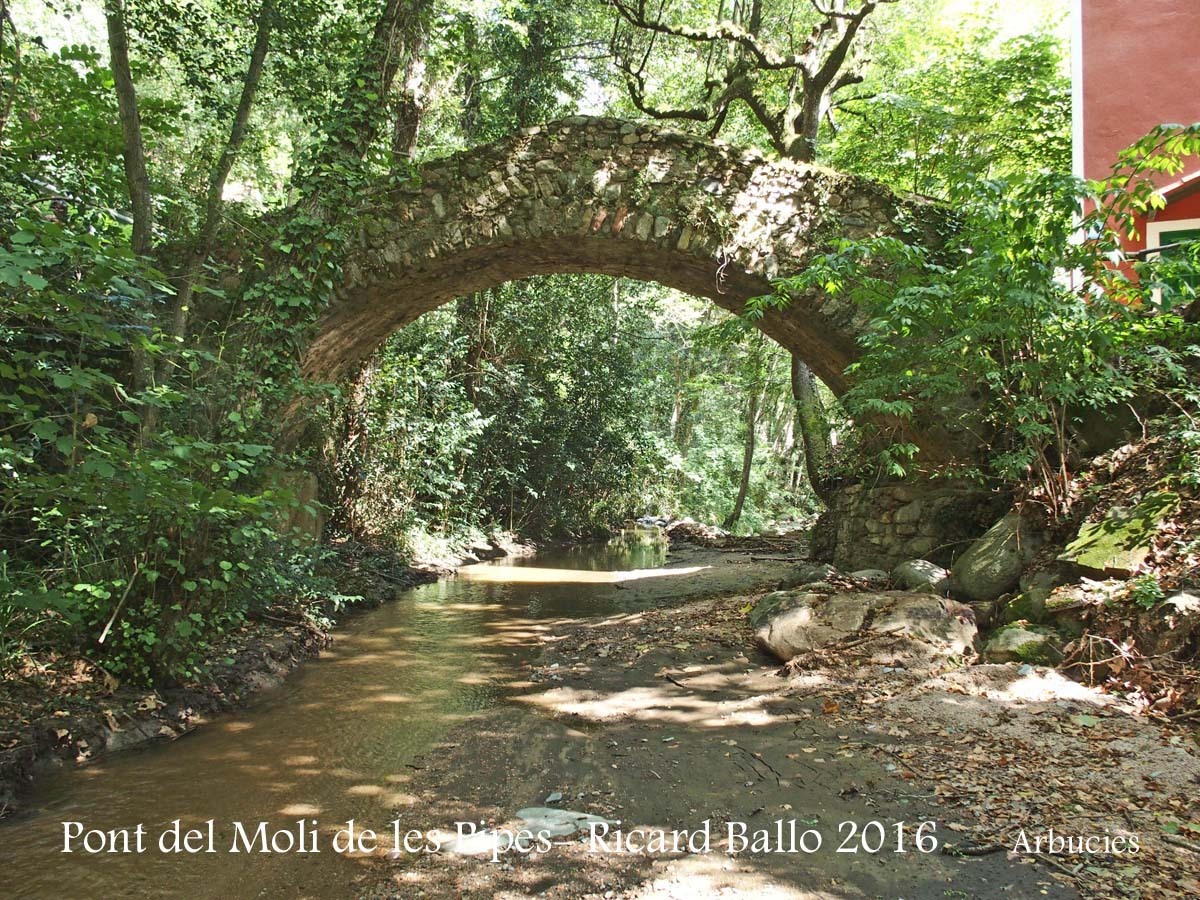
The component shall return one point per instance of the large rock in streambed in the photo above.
(992, 565)
(789, 623)
(804, 621)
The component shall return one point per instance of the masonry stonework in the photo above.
(618, 198)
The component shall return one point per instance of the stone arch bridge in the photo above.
(594, 195)
(605, 196)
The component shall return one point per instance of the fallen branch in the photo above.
(124, 596)
(972, 850)
(893, 754)
(688, 687)
(1176, 841)
(1065, 869)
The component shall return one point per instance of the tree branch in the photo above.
(825, 75)
(724, 31)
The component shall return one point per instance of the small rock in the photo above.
(476, 844)
(554, 797)
(1182, 612)
(922, 575)
(556, 822)
(1020, 643)
(806, 573)
(985, 612)
(1036, 588)
(872, 577)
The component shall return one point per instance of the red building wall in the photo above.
(1140, 68)
(1184, 207)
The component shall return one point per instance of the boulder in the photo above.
(992, 565)
(804, 621)
(770, 604)
(807, 621)
(947, 625)
(1022, 643)
(921, 575)
(1118, 544)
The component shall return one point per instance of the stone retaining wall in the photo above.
(880, 526)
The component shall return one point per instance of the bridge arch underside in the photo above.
(354, 330)
(605, 196)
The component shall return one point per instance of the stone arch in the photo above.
(606, 196)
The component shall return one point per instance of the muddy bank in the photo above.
(62, 712)
(666, 718)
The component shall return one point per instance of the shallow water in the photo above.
(336, 742)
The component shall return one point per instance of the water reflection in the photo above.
(338, 741)
(545, 575)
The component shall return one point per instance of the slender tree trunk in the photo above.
(132, 149)
(397, 43)
(472, 313)
(352, 450)
(12, 68)
(137, 182)
(747, 460)
(213, 202)
(684, 407)
(812, 422)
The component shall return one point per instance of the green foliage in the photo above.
(1146, 592)
(157, 543)
(993, 309)
(969, 107)
(524, 408)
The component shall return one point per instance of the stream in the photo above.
(335, 742)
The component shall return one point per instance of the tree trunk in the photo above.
(472, 314)
(137, 181)
(12, 69)
(220, 173)
(351, 453)
(747, 460)
(132, 149)
(684, 408)
(357, 118)
(410, 100)
(813, 424)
